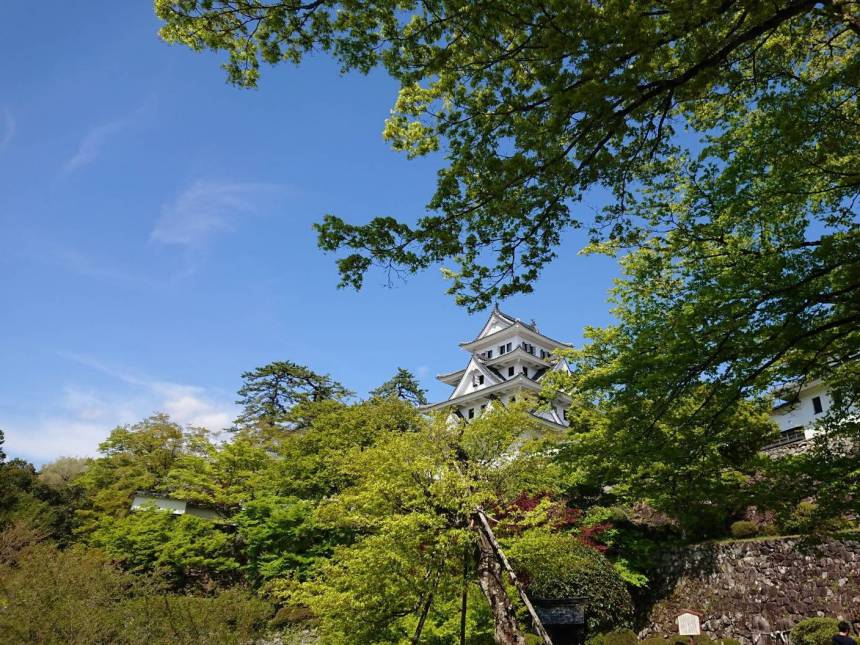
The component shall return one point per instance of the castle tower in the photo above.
(508, 359)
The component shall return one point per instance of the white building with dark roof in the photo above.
(507, 360)
(798, 411)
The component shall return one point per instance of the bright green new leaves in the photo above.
(134, 458)
(534, 104)
(186, 550)
(727, 134)
(310, 463)
(220, 476)
(280, 537)
(409, 505)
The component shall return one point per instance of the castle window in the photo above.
(480, 379)
(816, 404)
(511, 370)
(501, 349)
(525, 371)
(489, 354)
(471, 413)
(508, 347)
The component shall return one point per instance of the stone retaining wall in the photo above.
(747, 589)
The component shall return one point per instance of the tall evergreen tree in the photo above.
(269, 393)
(403, 385)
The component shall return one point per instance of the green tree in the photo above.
(18, 492)
(280, 537)
(274, 395)
(403, 385)
(63, 471)
(534, 105)
(188, 552)
(77, 595)
(59, 486)
(310, 464)
(44, 505)
(702, 475)
(220, 476)
(410, 501)
(133, 458)
(727, 135)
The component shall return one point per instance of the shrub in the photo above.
(768, 529)
(77, 596)
(801, 518)
(656, 640)
(557, 566)
(814, 631)
(743, 529)
(702, 639)
(804, 519)
(616, 637)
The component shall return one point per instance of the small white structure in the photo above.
(689, 623)
(507, 359)
(143, 501)
(800, 411)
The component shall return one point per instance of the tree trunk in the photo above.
(490, 578)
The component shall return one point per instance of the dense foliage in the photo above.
(557, 566)
(815, 631)
(360, 520)
(78, 595)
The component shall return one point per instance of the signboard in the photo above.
(688, 623)
(560, 612)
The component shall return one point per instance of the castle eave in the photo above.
(518, 326)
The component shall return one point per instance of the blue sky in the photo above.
(156, 232)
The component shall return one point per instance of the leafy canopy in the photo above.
(534, 104)
(409, 503)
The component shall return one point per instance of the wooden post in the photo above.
(484, 525)
(428, 601)
(465, 597)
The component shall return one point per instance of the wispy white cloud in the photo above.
(92, 143)
(97, 137)
(9, 128)
(207, 208)
(186, 404)
(82, 417)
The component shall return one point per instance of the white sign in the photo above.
(688, 624)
